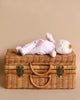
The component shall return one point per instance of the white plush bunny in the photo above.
(46, 47)
(39, 47)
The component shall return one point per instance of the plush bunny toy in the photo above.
(46, 47)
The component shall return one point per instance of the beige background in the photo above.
(22, 21)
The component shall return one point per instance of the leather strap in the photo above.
(37, 86)
(39, 73)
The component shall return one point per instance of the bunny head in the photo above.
(63, 47)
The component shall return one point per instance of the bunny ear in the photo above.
(50, 37)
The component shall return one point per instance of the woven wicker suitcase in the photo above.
(40, 71)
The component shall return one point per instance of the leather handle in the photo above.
(37, 86)
(39, 73)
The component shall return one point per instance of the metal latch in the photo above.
(20, 70)
(60, 70)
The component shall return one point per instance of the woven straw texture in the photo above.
(40, 71)
(67, 81)
(12, 58)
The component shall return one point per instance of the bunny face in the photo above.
(63, 47)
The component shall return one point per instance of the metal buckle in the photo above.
(60, 70)
(20, 70)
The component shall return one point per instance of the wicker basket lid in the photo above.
(12, 58)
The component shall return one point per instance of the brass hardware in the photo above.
(60, 70)
(20, 70)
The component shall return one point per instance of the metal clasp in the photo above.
(60, 70)
(20, 70)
